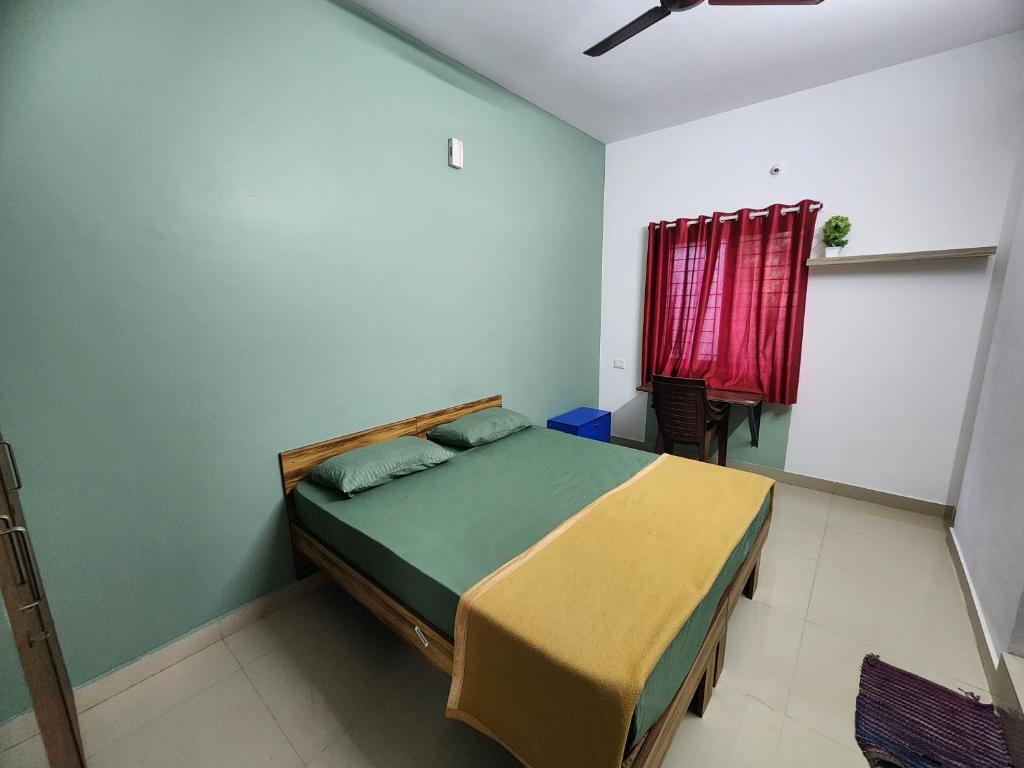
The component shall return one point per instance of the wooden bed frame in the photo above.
(695, 692)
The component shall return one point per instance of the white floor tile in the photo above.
(918, 562)
(737, 731)
(827, 679)
(785, 581)
(118, 716)
(795, 496)
(27, 754)
(863, 606)
(326, 679)
(410, 730)
(799, 518)
(225, 726)
(942, 643)
(802, 747)
(926, 622)
(761, 651)
(825, 683)
(21, 728)
(880, 519)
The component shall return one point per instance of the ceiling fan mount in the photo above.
(666, 9)
(680, 5)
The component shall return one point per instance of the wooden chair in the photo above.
(686, 416)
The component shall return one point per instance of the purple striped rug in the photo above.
(904, 720)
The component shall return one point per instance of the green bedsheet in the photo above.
(429, 537)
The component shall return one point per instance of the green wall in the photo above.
(227, 229)
(773, 439)
(13, 693)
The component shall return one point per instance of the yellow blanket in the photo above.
(553, 649)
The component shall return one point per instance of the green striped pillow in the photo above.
(480, 428)
(380, 463)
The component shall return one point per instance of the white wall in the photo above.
(919, 156)
(990, 513)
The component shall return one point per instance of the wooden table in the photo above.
(752, 401)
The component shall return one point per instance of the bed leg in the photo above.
(720, 654)
(751, 586)
(302, 565)
(702, 696)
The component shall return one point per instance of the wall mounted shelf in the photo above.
(890, 258)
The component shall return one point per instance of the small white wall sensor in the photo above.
(775, 170)
(455, 155)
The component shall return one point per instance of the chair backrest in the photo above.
(681, 408)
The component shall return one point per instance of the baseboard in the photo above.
(982, 635)
(790, 478)
(908, 503)
(1008, 696)
(933, 508)
(90, 694)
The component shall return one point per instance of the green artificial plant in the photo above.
(837, 231)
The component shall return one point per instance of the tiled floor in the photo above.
(321, 683)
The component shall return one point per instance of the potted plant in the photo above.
(836, 235)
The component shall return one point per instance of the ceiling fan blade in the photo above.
(765, 2)
(636, 26)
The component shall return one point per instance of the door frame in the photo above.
(35, 635)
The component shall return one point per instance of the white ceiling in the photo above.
(692, 64)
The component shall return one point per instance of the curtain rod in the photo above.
(753, 214)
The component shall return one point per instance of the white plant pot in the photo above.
(830, 252)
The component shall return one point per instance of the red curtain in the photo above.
(725, 299)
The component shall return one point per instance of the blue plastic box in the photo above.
(585, 422)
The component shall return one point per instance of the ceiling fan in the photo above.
(667, 8)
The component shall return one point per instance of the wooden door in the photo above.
(35, 636)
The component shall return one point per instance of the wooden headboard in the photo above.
(299, 462)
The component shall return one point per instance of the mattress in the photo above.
(429, 537)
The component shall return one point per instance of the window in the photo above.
(687, 276)
(736, 323)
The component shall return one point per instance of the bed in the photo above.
(409, 550)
